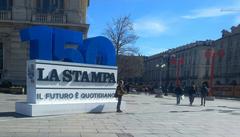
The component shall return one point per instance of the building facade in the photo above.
(215, 62)
(186, 63)
(18, 14)
(227, 66)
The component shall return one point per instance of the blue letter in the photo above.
(62, 37)
(99, 50)
(40, 38)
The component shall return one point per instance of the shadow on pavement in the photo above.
(12, 114)
(184, 111)
(208, 110)
(229, 98)
(173, 104)
(228, 107)
(97, 109)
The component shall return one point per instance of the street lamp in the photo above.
(161, 67)
(160, 92)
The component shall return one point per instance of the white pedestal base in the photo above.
(56, 109)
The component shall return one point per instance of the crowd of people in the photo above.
(192, 93)
(178, 90)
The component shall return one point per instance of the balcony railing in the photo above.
(5, 15)
(64, 17)
(49, 18)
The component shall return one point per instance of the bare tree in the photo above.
(120, 31)
(130, 67)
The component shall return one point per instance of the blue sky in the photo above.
(165, 24)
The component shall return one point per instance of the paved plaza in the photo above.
(145, 116)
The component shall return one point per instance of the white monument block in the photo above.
(55, 88)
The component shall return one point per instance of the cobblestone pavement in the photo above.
(145, 116)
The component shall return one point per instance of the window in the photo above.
(50, 6)
(5, 4)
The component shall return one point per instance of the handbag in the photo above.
(116, 94)
(182, 97)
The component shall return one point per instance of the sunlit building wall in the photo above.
(18, 14)
(189, 60)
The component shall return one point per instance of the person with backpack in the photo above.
(204, 93)
(192, 93)
(119, 93)
(179, 93)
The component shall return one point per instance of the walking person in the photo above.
(192, 93)
(179, 93)
(204, 93)
(119, 93)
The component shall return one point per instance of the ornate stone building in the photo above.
(186, 63)
(18, 14)
(203, 61)
(227, 67)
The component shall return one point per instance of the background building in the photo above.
(188, 61)
(18, 14)
(215, 62)
(227, 67)
(131, 68)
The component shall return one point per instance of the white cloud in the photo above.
(146, 27)
(208, 12)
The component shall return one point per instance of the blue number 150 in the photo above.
(50, 44)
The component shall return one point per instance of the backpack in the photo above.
(116, 94)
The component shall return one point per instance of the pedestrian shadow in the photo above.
(235, 113)
(173, 104)
(208, 110)
(184, 111)
(168, 104)
(228, 107)
(226, 111)
(12, 114)
(189, 105)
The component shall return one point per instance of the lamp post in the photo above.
(212, 54)
(160, 92)
(165, 62)
(161, 67)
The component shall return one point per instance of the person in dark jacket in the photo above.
(179, 93)
(192, 93)
(120, 91)
(204, 93)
